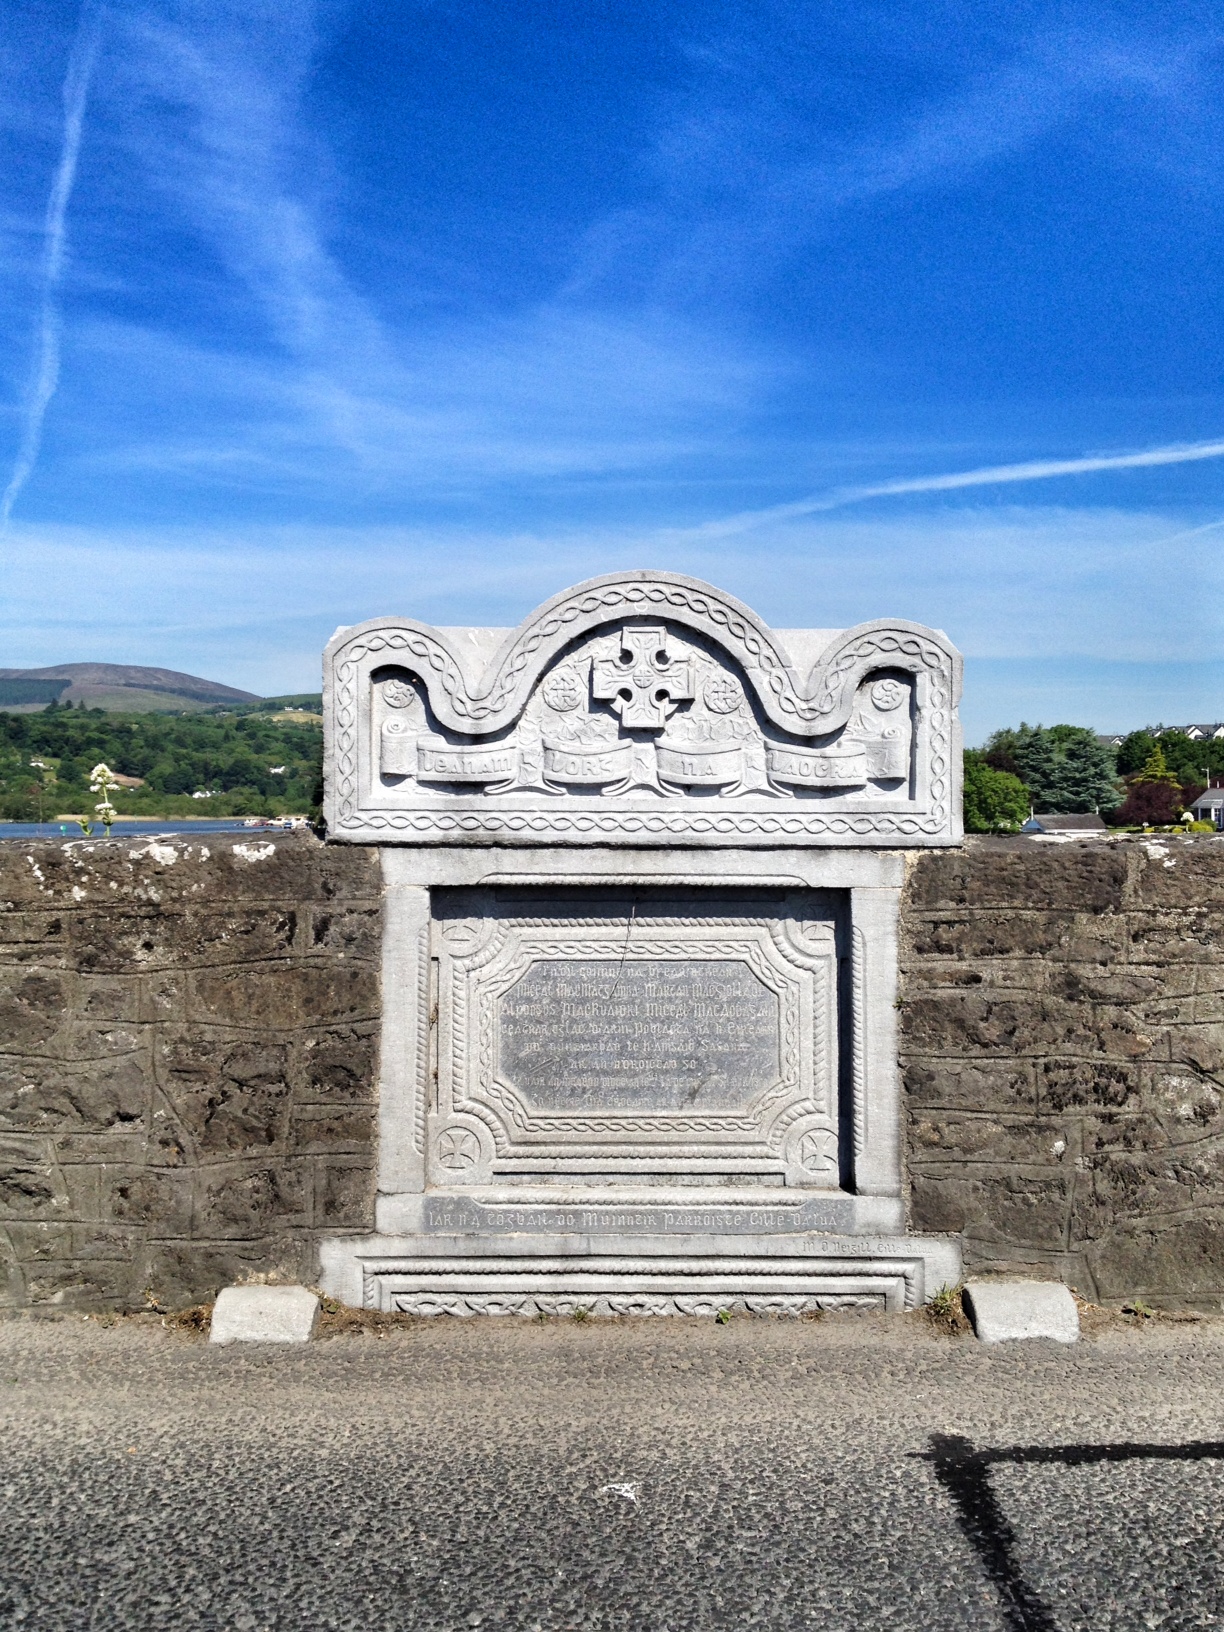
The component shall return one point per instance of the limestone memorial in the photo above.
(642, 860)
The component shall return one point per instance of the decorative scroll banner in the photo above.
(837, 767)
(701, 766)
(587, 765)
(439, 761)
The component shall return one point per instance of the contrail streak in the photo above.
(45, 375)
(1036, 470)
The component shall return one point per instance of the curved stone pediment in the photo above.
(642, 708)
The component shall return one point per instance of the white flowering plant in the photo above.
(43, 769)
(102, 780)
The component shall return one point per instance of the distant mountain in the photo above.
(119, 688)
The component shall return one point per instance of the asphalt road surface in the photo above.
(647, 1475)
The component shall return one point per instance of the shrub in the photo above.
(995, 801)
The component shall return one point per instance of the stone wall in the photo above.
(188, 1037)
(187, 1059)
(1063, 1050)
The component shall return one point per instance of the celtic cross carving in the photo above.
(645, 682)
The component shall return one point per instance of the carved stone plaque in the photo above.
(669, 1035)
(668, 1032)
(642, 708)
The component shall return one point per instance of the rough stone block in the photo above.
(1189, 1106)
(974, 1137)
(271, 997)
(1065, 1084)
(990, 934)
(980, 1085)
(264, 1314)
(344, 1196)
(230, 1093)
(155, 1197)
(30, 1185)
(33, 937)
(114, 999)
(1187, 874)
(345, 1129)
(1018, 1206)
(1161, 935)
(180, 1273)
(32, 1005)
(83, 1284)
(1016, 873)
(241, 1199)
(338, 1065)
(52, 1096)
(1002, 1311)
(354, 933)
(1176, 1260)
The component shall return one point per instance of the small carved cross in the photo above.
(645, 682)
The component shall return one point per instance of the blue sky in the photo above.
(310, 312)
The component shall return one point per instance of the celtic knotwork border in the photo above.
(604, 1306)
(602, 826)
(858, 1039)
(685, 1284)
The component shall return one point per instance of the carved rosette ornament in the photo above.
(636, 709)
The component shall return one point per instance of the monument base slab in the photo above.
(549, 1273)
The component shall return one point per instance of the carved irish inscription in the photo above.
(645, 710)
(647, 1035)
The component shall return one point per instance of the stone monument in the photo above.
(642, 863)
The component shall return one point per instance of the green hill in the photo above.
(118, 688)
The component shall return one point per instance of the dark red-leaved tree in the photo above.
(1154, 796)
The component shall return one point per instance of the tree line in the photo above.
(260, 764)
(244, 764)
(1146, 781)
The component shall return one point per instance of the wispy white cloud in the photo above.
(45, 376)
(256, 604)
(538, 395)
(1032, 470)
(208, 104)
(747, 163)
(1054, 76)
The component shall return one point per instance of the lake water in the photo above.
(70, 830)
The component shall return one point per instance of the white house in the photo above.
(1196, 733)
(1209, 807)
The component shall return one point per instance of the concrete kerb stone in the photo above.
(1002, 1311)
(264, 1314)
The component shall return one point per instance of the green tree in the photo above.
(1191, 762)
(174, 754)
(995, 801)
(1065, 767)
(1133, 750)
(1154, 796)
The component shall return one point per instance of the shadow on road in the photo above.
(964, 1472)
